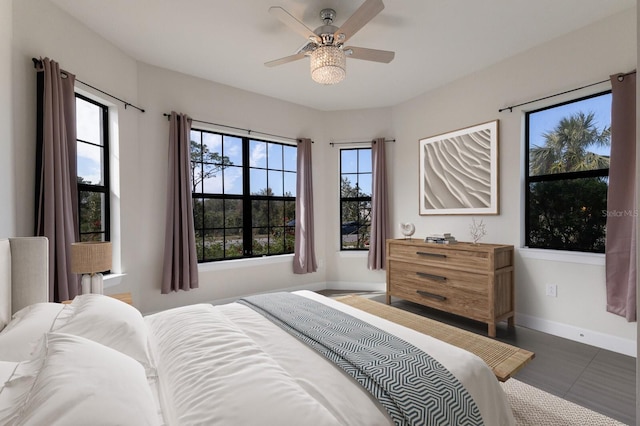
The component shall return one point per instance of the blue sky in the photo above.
(546, 120)
(89, 157)
(277, 156)
(262, 154)
(353, 161)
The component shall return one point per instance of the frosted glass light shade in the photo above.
(328, 65)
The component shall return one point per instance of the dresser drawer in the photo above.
(432, 254)
(468, 304)
(423, 276)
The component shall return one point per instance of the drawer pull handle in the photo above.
(431, 295)
(424, 253)
(431, 276)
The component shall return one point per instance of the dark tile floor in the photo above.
(595, 378)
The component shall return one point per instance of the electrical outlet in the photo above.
(552, 290)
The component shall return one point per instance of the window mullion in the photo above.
(247, 230)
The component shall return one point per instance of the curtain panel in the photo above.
(379, 207)
(56, 198)
(180, 260)
(620, 252)
(304, 257)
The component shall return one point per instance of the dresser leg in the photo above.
(511, 322)
(388, 299)
(492, 329)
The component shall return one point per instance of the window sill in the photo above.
(242, 263)
(597, 259)
(112, 280)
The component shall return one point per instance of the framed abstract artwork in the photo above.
(459, 171)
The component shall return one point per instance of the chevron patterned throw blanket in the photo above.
(414, 388)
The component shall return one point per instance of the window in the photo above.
(567, 169)
(243, 193)
(92, 169)
(355, 198)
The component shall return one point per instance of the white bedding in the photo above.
(229, 365)
(199, 364)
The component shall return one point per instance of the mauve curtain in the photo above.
(180, 261)
(620, 252)
(56, 204)
(304, 257)
(379, 206)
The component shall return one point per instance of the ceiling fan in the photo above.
(326, 43)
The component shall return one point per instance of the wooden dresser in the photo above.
(470, 280)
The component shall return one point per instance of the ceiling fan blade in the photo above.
(293, 23)
(376, 55)
(366, 12)
(285, 60)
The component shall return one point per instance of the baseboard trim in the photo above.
(358, 286)
(577, 334)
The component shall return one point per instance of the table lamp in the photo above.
(89, 259)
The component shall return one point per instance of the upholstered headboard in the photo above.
(24, 274)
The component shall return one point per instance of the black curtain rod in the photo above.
(38, 62)
(620, 78)
(249, 131)
(357, 142)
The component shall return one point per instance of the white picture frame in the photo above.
(459, 171)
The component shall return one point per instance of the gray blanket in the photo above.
(414, 388)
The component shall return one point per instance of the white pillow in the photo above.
(110, 322)
(75, 381)
(20, 337)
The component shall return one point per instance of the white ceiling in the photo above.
(436, 41)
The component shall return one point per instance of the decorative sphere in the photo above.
(407, 229)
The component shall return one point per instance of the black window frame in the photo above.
(105, 188)
(275, 232)
(554, 177)
(362, 229)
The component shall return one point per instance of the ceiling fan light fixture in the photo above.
(328, 65)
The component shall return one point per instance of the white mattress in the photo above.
(229, 365)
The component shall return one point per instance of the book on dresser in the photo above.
(471, 280)
(445, 238)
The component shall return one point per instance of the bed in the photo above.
(99, 361)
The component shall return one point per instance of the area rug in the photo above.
(534, 407)
(504, 359)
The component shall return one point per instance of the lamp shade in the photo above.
(90, 257)
(328, 65)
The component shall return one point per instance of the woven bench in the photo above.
(504, 359)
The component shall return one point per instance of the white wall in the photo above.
(591, 54)
(212, 102)
(140, 151)
(348, 270)
(40, 29)
(7, 194)
(583, 57)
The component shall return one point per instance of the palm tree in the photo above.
(567, 213)
(566, 148)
